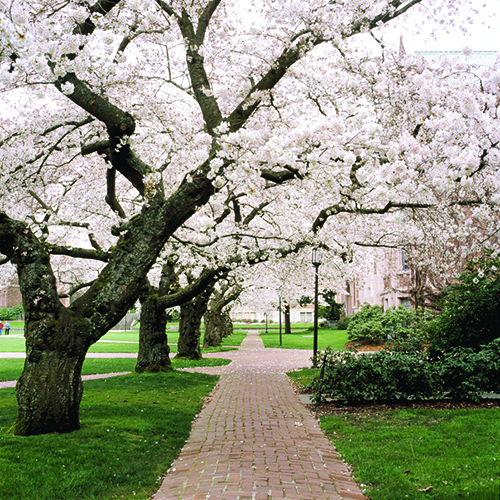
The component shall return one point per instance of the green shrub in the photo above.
(370, 324)
(343, 323)
(471, 311)
(405, 373)
(366, 325)
(469, 372)
(11, 313)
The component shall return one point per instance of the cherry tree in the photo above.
(137, 123)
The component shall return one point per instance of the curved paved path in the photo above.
(255, 440)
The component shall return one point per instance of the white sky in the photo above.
(483, 31)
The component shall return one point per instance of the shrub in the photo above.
(372, 325)
(471, 311)
(366, 325)
(404, 374)
(11, 313)
(343, 323)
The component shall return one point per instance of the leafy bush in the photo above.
(366, 324)
(408, 373)
(334, 309)
(11, 313)
(343, 323)
(471, 309)
(370, 324)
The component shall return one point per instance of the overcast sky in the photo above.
(484, 31)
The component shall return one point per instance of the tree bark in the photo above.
(288, 328)
(154, 351)
(192, 313)
(214, 318)
(213, 325)
(49, 390)
(153, 341)
(227, 325)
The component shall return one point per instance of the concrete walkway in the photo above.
(255, 440)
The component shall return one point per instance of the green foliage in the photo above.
(409, 372)
(334, 309)
(471, 309)
(343, 323)
(366, 325)
(11, 313)
(305, 300)
(370, 324)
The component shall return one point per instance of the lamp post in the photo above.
(316, 261)
(279, 296)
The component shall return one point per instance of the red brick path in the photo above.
(255, 440)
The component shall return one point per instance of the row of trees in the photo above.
(158, 148)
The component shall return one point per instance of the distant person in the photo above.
(1, 327)
(7, 328)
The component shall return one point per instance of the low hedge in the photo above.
(400, 375)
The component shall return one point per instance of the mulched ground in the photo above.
(335, 408)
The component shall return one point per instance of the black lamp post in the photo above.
(279, 295)
(316, 260)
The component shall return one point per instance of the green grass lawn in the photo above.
(455, 452)
(133, 427)
(304, 339)
(416, 454)
(122, 342)
(11, 368)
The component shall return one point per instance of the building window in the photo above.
(306, 317)
(404, 260)
(405, 303)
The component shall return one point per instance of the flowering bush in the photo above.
(471, 313)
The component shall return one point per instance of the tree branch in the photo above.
(79, 253)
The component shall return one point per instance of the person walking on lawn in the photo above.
(1, 327)
(7, 328)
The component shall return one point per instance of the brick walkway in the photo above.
(255, 440)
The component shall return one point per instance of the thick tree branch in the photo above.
(79, 253)
(207, 277)
(195, 62)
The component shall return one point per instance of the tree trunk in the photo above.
(153, 342)
(227, 325)
(213, 326)
(287, 319)
(189, 331)
(50, 388)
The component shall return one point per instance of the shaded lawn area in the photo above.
(133, 427)
(415, 454)
(11, 368)
(304, 339)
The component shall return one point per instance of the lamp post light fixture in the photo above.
(316, 261)
(280, 295)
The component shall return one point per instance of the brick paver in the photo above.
(255, 441)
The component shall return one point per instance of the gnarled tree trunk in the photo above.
(153, 341)
(214, 321)
(227, 325)
(49, 390)
(288, 328)
(192, 313)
